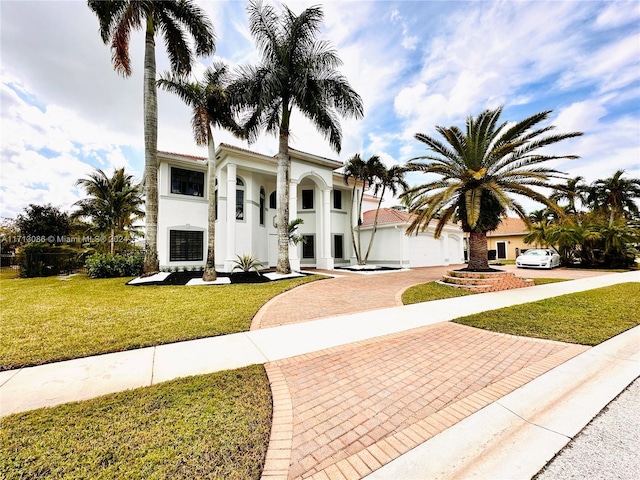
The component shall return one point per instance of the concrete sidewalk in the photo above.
(541, 398)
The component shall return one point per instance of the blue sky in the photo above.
(416, 64)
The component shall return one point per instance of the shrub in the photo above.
(246, 263)
(105, 265)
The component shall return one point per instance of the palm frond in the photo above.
(194, 19)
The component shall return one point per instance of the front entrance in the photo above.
(502, 250)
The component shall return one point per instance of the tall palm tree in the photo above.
(113, 203)
(617, 195)
(480, 169)
(296, 70)
(173, 19)
(388, 179)
(212, 106)
(364, 173)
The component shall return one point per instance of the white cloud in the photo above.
(618, 13)
(580, 116)
(45, 152)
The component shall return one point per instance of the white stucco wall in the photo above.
(391, 246)
(179, 212)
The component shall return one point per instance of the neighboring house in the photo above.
(392, 246)
(246, 213)
(507, 239)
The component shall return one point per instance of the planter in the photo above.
(247, 277)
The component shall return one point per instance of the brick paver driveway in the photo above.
(346, 411)
(352, 293)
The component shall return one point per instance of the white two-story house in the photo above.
(246, 211)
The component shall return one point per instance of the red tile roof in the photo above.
(193, 157)
(240, 149)
(510, 226)
(385, 217)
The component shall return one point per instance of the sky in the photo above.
(416, 65)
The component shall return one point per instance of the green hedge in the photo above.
(105, 265)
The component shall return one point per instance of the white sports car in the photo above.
(538, 257)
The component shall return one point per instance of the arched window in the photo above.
(272, 200)
(262, 205)
(239, 199)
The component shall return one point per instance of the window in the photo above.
(307, 199)
(262, 198)
(272, 200)
(187, 182)
(239, 199)
(185, 245)
(337, 199)
(308, 248)
(338, 250)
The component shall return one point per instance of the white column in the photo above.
(231, 217)
(294, 259)
(326, 261)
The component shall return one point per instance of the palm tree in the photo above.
(480, 169)
(538, 233)
(173, 19)
(113, 203)
(212, 106)
(617, 195)
(363, 172)
(296, 70)
(391, 179)
(571, 191)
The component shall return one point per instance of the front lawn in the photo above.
(210, 426)
(587, 318)
(51, 319)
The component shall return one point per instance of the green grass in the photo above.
(210, 426)
(49, 319)
(544, 281)
(587, 318)
(426, 292)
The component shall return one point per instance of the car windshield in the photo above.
(535, 252)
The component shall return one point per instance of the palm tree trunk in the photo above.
(359, 254)
(375, 226)
(150, 152)
(478, 254)
(612, 215)
(282, 199)
(354, 203)
(112, 240)
(209, 274)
